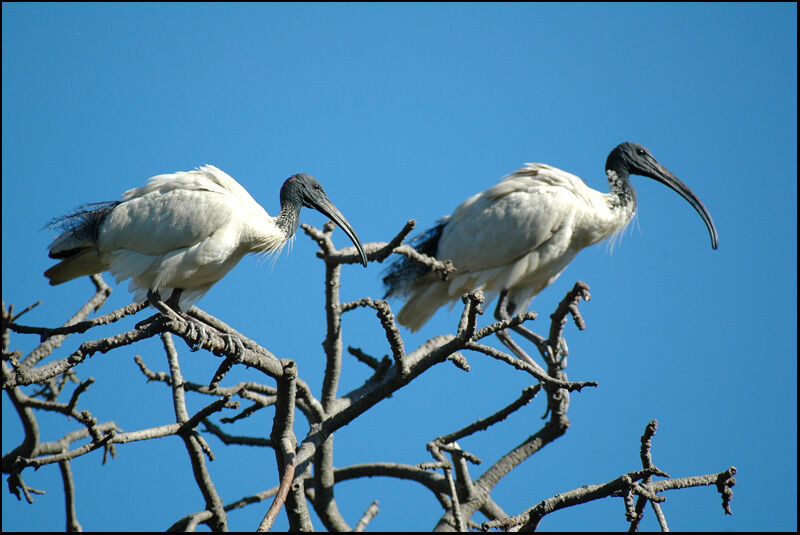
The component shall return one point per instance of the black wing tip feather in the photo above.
(403, 271)
(88, 213)
(82, 224)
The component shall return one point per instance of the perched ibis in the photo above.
(519, 235)
(180, 233)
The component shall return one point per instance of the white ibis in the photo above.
(181, 233)
(520, 234)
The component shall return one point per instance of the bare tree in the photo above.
(306, 464)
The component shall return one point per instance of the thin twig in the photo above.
(367, 517)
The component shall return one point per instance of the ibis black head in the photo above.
(304, 190)
(629, 158)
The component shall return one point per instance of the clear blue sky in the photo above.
(402, 111)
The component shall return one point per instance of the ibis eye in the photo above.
(641, 152)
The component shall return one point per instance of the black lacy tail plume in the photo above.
(404, 271)
(84, 222)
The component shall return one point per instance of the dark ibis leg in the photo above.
(540, 342)
(502, 312)
(155, 300)
(174, 299)
(170, 309)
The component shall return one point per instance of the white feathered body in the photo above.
(518, 235)
(183, 230)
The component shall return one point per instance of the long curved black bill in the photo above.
(663, 175)
(326, 207)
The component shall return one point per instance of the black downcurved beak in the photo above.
(326, 207)
(665, 176)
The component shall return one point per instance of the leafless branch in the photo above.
(305, 466)
(283, 436)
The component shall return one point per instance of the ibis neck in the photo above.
(289, 218)
(621, 204)
(622, 195)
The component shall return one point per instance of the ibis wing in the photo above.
(516, 234)
(499, 226)
(155, 221)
